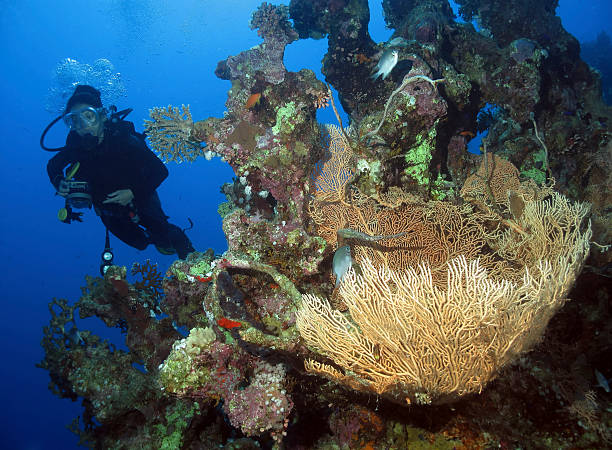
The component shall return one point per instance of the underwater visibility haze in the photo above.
(400, 211)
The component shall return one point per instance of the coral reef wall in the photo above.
(383, 287)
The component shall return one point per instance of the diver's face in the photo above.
(84, 119)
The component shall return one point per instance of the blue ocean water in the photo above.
(166, 53)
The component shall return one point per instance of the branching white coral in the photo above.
(170, 134)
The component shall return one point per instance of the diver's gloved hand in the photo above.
(122, 196)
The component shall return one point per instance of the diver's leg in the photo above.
(127, 231)
(180, 241)
(163, 234)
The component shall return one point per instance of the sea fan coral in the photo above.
(416, 337)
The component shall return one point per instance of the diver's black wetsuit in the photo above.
(123, 161)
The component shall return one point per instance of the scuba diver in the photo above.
(108, 165)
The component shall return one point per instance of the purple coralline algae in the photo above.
(263, 405)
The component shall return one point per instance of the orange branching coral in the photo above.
(408, 338)
(452, 294)
(151, 278)
(434, 232)
(335, 170)
(322, 100)
(493, 180)
(561, 230)
(496, 190)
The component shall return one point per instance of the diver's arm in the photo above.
(150, 170)
(56, 166)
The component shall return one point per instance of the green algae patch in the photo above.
(285, 119)
(419, 157)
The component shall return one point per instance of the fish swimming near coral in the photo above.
(397, 42)
(385, 65)
(602, 381)
(342, 262)
(73, 336)
(252, 100)
(228, 324)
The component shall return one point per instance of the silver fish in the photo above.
(397, 42)
(385, 65)
(603, 382)
(74, 336)
(342, 262)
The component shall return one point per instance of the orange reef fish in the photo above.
(252, 100)
(467, 133)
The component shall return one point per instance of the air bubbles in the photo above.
(69, 73)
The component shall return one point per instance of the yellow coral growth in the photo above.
(410, 337)
(336, 169)
(556, 218)
(170, 134)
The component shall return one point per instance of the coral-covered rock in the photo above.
(263, 405)
(266, 58)
(418, 20)
(119, 304)
(273, 147)
(387, 186)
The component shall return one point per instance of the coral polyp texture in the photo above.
(471, 308)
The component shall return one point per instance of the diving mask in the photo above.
(83, 117)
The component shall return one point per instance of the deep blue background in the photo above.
(166, 52)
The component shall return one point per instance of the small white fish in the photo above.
(74, 336)
(342, 262)
(603, 382)
(397, 42)
(386, 63)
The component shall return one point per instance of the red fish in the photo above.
(228, 324)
